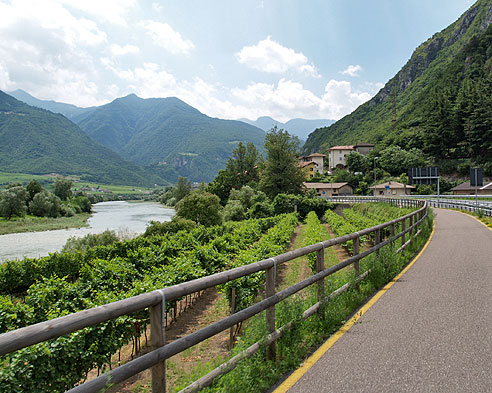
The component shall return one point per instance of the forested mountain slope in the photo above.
(37, 141)
(168, 133)
(67, 110)
(438, 102)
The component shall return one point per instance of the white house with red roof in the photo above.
(337, 154)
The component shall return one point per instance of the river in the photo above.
(122, 217)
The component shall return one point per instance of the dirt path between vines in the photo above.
(210, 307)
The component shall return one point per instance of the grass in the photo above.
(46, 180)
(257, 374)
(36, 224)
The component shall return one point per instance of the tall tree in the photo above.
(182, 188)
(63, 188)
(281, 172)
(243, 164)
(33, 187)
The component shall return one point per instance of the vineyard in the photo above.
(361, 216)
(40, 289)
(35, 290)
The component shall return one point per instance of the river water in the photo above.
(122, 217)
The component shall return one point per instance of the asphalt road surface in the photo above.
(430, 332)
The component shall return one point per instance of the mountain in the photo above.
(168, 135)
(298, 127)
(37, 141)
(430, 83)
(67, 110)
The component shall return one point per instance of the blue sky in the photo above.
(229, 59)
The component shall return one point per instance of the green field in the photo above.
(46, 180)
(35, 224)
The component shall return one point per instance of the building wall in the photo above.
(364, 149)
(393, 192)
(319, 162)
(337, 157)
(309, 170)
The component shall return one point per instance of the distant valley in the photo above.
(298, 127)
(161, 138)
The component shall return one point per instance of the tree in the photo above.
(281, 173)
(63, 188)
(32, 188)
(396, 161)
(243, 164)
(182, 188)
(13, 201)
(202, 207)
(357, 162)
(222, 185)
(45, 204)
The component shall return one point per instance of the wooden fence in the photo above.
(156, 302)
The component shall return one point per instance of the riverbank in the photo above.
(40, 224)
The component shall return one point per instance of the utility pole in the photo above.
(375, 158)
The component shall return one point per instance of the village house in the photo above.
(393, 189)
(337, 154)
(329, 189)
(309, 168)
(467, 189)
(314, 163)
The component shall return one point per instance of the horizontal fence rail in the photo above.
(156, 301)
(483, 205)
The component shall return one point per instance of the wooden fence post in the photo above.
(357, 263)
(233, 308)
(403, 230)
(320, 266)
(270, 312)
(157, 340)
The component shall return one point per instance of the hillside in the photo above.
(168, 135)
(298, 127)
(68, 110)
(38, 141)
(400, 113)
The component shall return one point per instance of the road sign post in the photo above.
(428, 175)
(476, 179)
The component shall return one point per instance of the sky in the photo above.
(231, 59)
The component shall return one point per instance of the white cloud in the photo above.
(113, 11)
(22, 18)
(291, 99)
(270, 56)
(165, 36)
(352, 70)
(118, 50)
(45, 50)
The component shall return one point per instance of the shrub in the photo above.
(89, 241)
(233, 211)
(173, 226)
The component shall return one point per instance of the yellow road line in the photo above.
(476, 218)
(297, 374)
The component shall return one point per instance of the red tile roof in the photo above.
(341, 148)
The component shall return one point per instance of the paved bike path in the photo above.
(430, 332)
